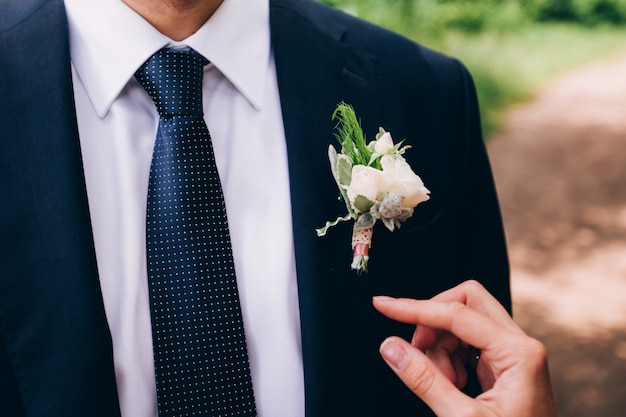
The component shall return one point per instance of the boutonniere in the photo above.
(375, 182)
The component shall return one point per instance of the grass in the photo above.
(510, 57)
(510, 67)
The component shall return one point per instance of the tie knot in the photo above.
(173, 80)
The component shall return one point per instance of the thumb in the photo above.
(426, 381)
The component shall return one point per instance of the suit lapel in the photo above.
(51, 310)
(315, 73)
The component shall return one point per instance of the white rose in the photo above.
(384, 144)
(399, 178)
(364, 182)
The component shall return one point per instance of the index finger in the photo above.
(474, 295)
(464, 322)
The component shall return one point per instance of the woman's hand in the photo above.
(467, 325)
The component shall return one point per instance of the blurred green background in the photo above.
(512, 47)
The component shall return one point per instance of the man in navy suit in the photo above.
(76, 135)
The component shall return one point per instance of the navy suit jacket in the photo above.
(55, 346)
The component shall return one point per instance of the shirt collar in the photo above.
(109, 42)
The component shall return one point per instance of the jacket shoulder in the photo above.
(369, 39)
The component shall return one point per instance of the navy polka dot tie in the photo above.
(200, 354)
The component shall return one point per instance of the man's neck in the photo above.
(176, 19)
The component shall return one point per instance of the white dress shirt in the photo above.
(117, 123)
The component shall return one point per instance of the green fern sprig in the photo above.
(350, 135)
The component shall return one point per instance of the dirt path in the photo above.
(560, 168)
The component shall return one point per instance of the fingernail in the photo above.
(383, 299)
(394, 354)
